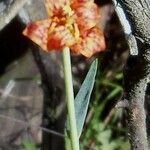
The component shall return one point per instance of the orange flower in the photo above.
(87, 13)
(92, 42)
(70, 23)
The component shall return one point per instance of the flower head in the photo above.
(70, 23)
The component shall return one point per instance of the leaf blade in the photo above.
(83, 97)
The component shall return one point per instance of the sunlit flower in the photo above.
(91, 42)
(70, 23)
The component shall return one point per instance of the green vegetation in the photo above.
(104, 127)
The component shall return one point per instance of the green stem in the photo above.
(70, 99)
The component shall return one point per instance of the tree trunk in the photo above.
(137, 70)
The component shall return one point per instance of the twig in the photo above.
(123, 103)
(26, 124)
(16, 97)
(10, 12)
(109, 117)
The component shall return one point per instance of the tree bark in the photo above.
(137, 70)
(10, 12)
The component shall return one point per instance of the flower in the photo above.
(70, 23)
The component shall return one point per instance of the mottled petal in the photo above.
(87, 13)
(54, 7)
(71, 23)
(91, 43)
(59, 38)
(83, 1)
(38, 32)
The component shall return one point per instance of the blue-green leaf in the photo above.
(83, 97)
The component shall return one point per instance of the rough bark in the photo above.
(135, 81)
(138, 14)
(137, 70)
(10, 12)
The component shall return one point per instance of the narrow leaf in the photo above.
(83, 97)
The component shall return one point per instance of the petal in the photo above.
(54, 7)
(83, 1)
(38, 32)
(59, 38)
(87, 12)
(92, 42)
